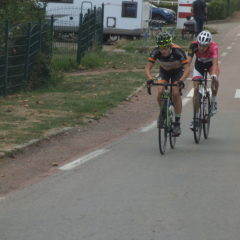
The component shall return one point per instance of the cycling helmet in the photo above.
(164, 39)
(204, 38)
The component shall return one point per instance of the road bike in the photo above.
(202, 110)
(165, 122)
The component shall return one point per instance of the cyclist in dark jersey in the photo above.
(206, 52)
(173, 66)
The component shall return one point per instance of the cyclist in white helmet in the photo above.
(206, 52)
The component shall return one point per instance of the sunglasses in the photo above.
(164, 47)
(203, 45)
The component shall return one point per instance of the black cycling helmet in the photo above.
(164, 39)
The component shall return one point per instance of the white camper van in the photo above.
(121, 17)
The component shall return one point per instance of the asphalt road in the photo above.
(129, 192)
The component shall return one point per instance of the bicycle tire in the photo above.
(206, 115)
(197, 123)
(162, 129)
(172, 138)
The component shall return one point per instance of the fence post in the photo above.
(40, 34)
(88, 28)
(28, 40)
(94, 23)
(51, 29)
(79, 39)
(6, 59)
(102, 25)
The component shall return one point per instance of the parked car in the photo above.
(162, 14)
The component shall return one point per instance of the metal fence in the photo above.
(76, 32)
(20, 44)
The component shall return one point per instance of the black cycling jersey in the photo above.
(176, 59)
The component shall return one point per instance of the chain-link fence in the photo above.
(76, 32)
(20, 43)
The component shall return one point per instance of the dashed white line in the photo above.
(229, 47)
(238, 34)
(83, 159)
(237, 93)
(224, 54)
(149, 127)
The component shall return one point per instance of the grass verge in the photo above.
(75, 101)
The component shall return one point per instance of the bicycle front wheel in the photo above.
(197, 123)
(162, 130)
(206, 116)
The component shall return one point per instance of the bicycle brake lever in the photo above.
(149, 89)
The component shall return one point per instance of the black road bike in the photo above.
(165, 122)
(202, 110)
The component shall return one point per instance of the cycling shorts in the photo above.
(173, 75)
(199, 69)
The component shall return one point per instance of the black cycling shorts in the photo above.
(200, 66)
(173, 75)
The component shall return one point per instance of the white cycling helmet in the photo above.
(204, 38)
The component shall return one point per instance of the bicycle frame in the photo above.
(165, 120)
(201, 113)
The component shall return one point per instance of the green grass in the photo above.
(74, 101)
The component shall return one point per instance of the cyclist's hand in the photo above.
(214, 77)
(181, 84)
(150, 82)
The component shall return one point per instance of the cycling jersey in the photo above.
(176, 58)
(203, 60)
(207, 56)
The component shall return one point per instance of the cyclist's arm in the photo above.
(215, 66)
(148, 69)
(190, 58)
(186, 72)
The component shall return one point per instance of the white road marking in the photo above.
(229, 47)
(233, 43)
(190, 94)
(149, 127)
(185, 101)
(83, 159)
(224, 54)
(237, 94)
(238, 34)
(219, 62)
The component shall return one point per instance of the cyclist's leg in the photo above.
(163, 78)
(177, 99)
(197, 73)
(214, 88)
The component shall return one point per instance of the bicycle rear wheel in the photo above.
(172, 137)
(206, 115)
(197, 124)
(162, 130)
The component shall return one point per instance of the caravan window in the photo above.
(129, 9)
(59, 1)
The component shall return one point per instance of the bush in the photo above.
(221, 9)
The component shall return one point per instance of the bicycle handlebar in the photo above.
(162, 84)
